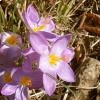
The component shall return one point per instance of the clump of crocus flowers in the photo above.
(46, 59)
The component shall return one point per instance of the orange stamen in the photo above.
(12, 40)
(7, 77)
(26, 81)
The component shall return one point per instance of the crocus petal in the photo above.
(59, 46)
(32, 14)
(31, 55)
(52, 37)
(8, 89)
(30, 17)
(48, 24)
(49, 84)
(37, 79)
(65, 72)
(21, 93)
(30, 25)
(39, 43)
(43, 63)
(28, 51)
(2, 71)
(11, 97)
(9, 55)
(68, 37)
(27, 65)
(16, 76)
(68, 54)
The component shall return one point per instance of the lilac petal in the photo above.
(25, 93)
(12, 52)
(39, 43)
(27, 21)
(8, 89)
(11, 97)
(48, 24)
(44, 64)
(49, 36)
(13, 71)
(49, 84)
(28, 51)
(27, 65)
(59, 46)
(30, 17)
(65, 72)
(32, 14)
(37, 79)
(30, 24)
(31, 55)
(21, 93)
(68, 55)
(9, 55)
(19, 72)
(68, 37)
(2, 71)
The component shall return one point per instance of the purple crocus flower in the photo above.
(5, 75)
(11, 39)
(43, 25)
(21, 82)
(31, 18)
(54, 61)
(9, 48)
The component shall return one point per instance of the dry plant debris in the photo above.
(90, 22)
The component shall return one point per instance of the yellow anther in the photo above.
(39, 28)
(35, 29)
(26, 81)
(53, 59)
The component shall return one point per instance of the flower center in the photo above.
(7, 77)
(39, 28)
(53, 59)
(12, 40)
(26, 81)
